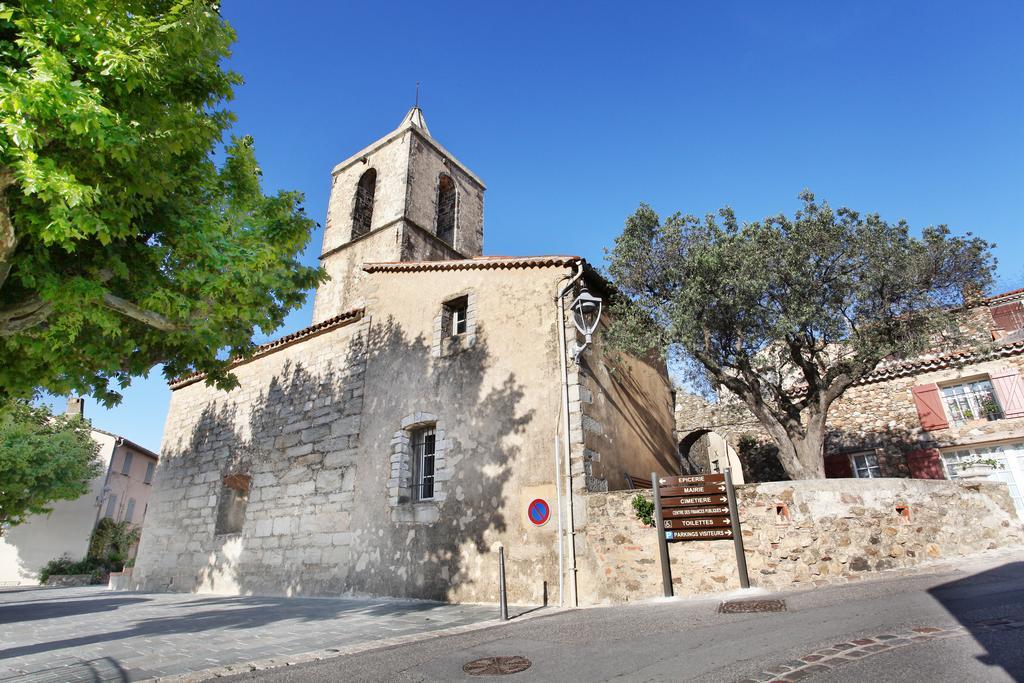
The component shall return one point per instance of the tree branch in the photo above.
(23, 316)
(8, 240)
(154, 320)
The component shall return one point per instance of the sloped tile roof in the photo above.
(477, 263)
(278, 344)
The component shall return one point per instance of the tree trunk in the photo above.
(810, 454)
(8, 240)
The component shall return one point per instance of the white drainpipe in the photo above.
(570, 537)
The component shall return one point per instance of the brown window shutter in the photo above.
(929, 407)
(837, 466)
(1008, 317)
(925, 464)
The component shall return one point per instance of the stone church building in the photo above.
(395, 444)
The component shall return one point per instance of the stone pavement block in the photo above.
(95, 632)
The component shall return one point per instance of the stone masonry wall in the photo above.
(797, 534)
(291, 428)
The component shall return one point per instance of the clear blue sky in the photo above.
(574, 113)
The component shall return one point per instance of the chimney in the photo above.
(76, 407)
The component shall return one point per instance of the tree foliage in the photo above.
(788, 313)
(43, 459)
(122, 243)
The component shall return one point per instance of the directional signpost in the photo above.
(696, 507)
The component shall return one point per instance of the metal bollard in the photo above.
(502, 596)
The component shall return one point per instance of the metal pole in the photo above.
(502, 597)
(737, 537)
(659, 525)
(561, 527)
(570, 521)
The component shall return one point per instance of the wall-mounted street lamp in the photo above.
(586, 314)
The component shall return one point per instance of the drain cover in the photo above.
(496, 666)
(738, 606)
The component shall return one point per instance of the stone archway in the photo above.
(706, 451)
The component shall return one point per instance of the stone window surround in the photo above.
(447, 346)
(404, 506)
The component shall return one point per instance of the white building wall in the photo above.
(25, 548)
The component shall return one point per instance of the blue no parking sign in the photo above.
(539, 512)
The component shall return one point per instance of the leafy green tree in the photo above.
(43, 459)
(122, 243)
(789, 313)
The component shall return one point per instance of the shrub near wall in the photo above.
(798, 534)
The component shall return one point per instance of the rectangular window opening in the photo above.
(111, 506)
(129, 510)
(456, 316)
(234, 497)
(865, 466)
(126, 466)
(971, 401)
(150, 469)
(424, 447)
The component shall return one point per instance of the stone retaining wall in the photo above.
(797, 534)
(69, 580)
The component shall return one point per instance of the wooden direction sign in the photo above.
(696, 507)
(689, 501)
(672, 513)
(695, 490)
(697, 523)
(692, 479)
(698, 534)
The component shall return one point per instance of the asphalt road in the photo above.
(960, 625)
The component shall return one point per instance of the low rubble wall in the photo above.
(796, 534)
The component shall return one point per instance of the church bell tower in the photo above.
(403, 198)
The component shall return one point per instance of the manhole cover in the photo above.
(737, 606)
(496, 666)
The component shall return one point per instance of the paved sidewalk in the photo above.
(93, 634)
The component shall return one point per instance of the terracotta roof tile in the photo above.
(1005, 296)
(938, 362)
(478, 263)
(278, 344)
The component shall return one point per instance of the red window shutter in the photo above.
(1008, 317)
(925, 464)
(1010, 392)
(929, 407)
(837, 466)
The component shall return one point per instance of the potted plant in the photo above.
(991, 409)
(978, 468)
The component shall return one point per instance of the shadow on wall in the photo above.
(994, 618)
(315, 451)
(633, 403)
